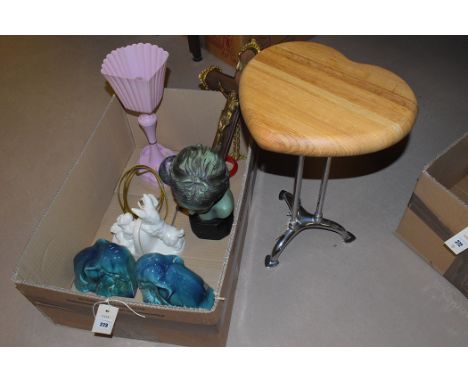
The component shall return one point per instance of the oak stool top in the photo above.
(305, 98)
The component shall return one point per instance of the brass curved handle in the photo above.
(125, 181)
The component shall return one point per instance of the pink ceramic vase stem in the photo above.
(153, 154)
(148, 123)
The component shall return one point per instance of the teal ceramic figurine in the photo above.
(199, 180)
(164, 280)
(107, 269)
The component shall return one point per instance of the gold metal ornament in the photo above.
(231, 106)
(235, 153)
(204, 73)
(232, 103)
(251, 45)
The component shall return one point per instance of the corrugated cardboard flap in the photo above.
(77, 208)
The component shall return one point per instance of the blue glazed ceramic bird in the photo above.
(107, 269)
(165, 280)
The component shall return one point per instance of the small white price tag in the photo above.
(459, 242)
(105, 318)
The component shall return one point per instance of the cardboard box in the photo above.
(227, 48)
(437, 211)
(86, 205)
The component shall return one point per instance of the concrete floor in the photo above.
(372, 292)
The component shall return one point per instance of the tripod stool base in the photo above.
(303, 220)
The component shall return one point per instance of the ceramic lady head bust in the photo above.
(199, 180)
(197, 176)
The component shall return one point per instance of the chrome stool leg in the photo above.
(301, 219)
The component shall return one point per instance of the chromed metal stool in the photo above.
(301, 219)
(307, 99)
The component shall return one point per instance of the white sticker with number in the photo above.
(105, 318)
(459, 242)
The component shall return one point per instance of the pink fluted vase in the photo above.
(136, 73)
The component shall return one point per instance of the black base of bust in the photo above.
(214, 229)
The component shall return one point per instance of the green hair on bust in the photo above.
(198, 177)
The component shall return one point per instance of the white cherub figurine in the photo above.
(149, 233)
